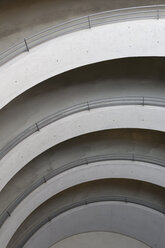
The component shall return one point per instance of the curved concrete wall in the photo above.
(89, 172)
(20, 19)
(147, 194)
(23, 85)
(136, 77)
(99, 239)
(129, 219)
(147, 117)
(115, 143)
(78, 49)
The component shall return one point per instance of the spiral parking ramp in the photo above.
(82, 121)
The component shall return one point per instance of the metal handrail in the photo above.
(88, 201)
(85, 22)
(101, 158)
(86, 106)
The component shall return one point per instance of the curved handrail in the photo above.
(85, 22)
(101, 158)
(93, 104)
(88, 201)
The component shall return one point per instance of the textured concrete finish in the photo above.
(99, 119)
(82, 134)
(112, 187)
(99, 239)
(125, 218)
(78, 49)
(20, 19)
(117, 78)
(89, 172)
(142, 142)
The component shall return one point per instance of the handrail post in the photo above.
(89, 21)
(158, 14)
(88, 106)
(27, 48)
(37, 127)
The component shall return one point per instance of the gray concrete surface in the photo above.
(125, 218)
(20, 19)
(102, 43)
(141, 171)
(125, 77)
(144, 77)
(100, 143)
(99, 239)
(135, 189)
